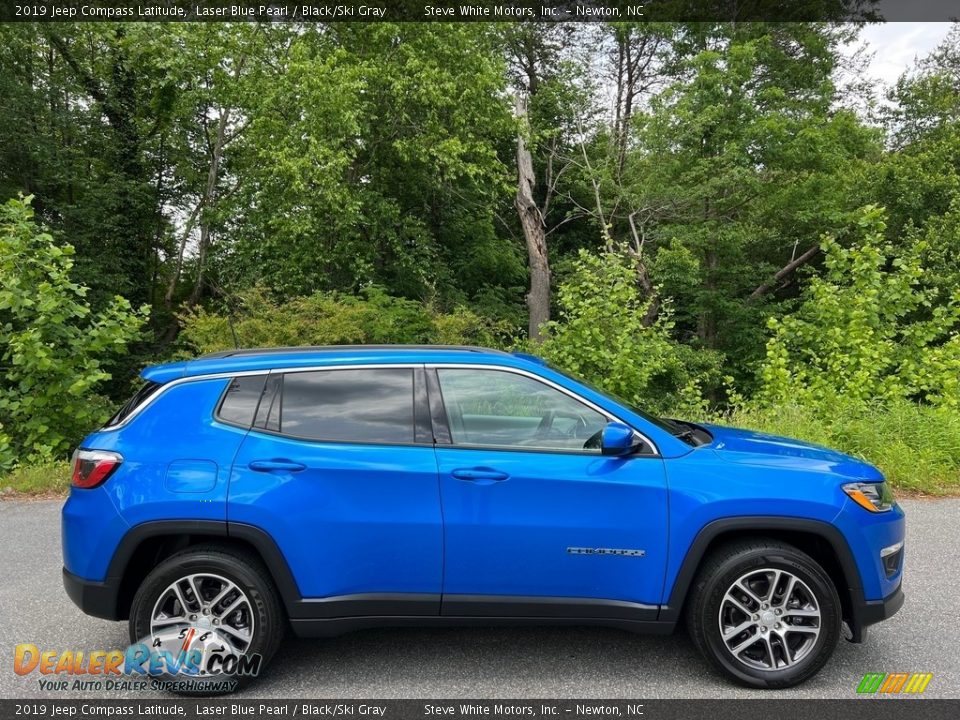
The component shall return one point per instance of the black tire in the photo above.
(240, 567)
(720, 571)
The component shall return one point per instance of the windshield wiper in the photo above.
(689, 434)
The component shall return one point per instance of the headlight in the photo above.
(875, 497)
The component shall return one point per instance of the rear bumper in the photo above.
(94, 598)
(870, 612)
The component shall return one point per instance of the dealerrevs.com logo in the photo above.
(894, 683)
(142, 666)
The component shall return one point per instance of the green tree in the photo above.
(600, 334)
(739, 166)
(52, 345)
(220, 70)
(84, 134)
(871, 328)
(927, 99)
(330, 318)
(374, 157)
(920, 179)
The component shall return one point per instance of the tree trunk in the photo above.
(178, 263)
(210, 197)
(766, 287)
(708, 317)
(707, 330)
(643, 275)
(534, 231)
(213, 176)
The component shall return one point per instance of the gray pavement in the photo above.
(497, 663)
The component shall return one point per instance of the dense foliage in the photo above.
(373, 317)
(600, 334)
(710, 218)
(52, 345)
(872, 327)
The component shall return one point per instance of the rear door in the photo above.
(340, 470)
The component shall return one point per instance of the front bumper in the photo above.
(94, 598)
(869, 612)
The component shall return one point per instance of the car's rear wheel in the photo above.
(764, 613)
(213, 608)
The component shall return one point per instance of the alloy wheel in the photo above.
(203, 611)
(769, 619)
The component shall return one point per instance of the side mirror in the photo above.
(617, 439)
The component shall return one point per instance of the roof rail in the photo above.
(244, 352)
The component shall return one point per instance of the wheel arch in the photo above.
(146, 544)
(822, 541)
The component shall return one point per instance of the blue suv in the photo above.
(327, 489)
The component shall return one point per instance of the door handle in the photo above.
(275, 465)
(479, 473)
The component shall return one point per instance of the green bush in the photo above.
(871, 328)
(600, 336)
(52, 345)
(334, 319)
(869, 362)
(6, 453)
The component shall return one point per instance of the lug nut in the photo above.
(764, 606)
(777, 626)
(779, 611)
(756, 617)
(193, 617)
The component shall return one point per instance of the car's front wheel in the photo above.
(764, 613)
(208, 618)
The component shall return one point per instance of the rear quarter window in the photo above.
(139, 397)
(240, 400)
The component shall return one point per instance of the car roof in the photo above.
(252, 359)
(286, 350)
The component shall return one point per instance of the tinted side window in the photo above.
(133, 403)
(240, 401)
(495, 408)
(367, 406)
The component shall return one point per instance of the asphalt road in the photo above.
(498, 663)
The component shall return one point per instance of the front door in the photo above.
(532, 509)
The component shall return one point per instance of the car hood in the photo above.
(747, 447)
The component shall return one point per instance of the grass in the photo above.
(916, 447)
(43, 480)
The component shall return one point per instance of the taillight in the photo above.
(92, 467)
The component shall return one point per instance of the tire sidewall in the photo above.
(807, 571)
(267, 625)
